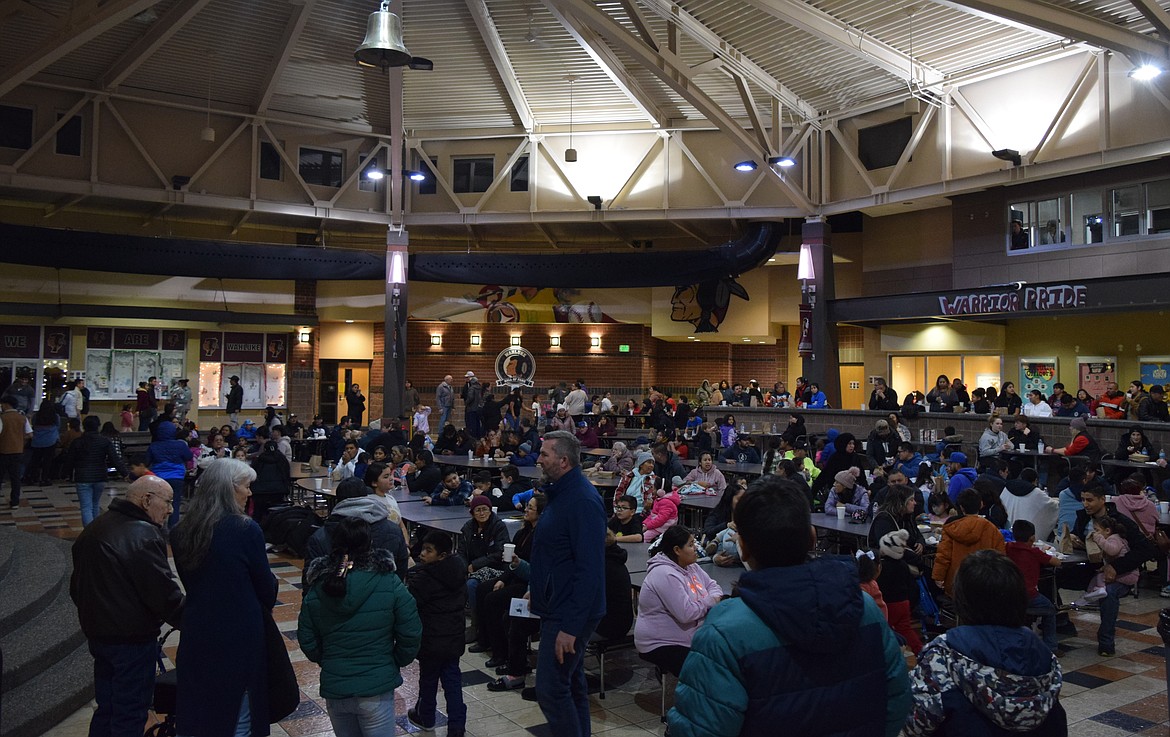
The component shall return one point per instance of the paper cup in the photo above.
(509, 552)
(317, 483)
(863, 406)
(841, 512)
(1164, 508)
(471, 455)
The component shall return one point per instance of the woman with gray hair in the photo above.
(220, 556)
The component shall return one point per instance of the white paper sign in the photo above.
(519, 608)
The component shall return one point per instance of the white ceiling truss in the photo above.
(669, 93)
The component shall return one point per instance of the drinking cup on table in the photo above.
(1163, 508)
(471, 455)
(863, 406)
(509, 552)
(317, 483)
(841, 512)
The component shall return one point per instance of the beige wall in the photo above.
(342, 341)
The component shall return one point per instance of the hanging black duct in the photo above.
(103, 252)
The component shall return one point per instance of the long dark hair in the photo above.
(349, 542)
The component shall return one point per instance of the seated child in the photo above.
(663, 515)
(940, 506)
(1030, 559)
(626, 523)
(1109, 535)
(452, 491)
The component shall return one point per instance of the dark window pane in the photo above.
(69, 137)
(321, 167)
(473, 175)
(880, 146)
(16, 127)
(519, 179)
(430, 184)
(270, 163)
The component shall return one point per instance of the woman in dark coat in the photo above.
(219, 552)
(795, 429)
(899, 558)
(845, 457)
(273, 479)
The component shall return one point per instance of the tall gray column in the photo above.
(822, 366)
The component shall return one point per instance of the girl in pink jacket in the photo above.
(662, 516)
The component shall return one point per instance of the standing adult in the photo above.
(181, 396)
(472, 395)
(355, 404)
(410, 398)
(167, 458)
(235, 401)
(219, 553)
(71, 401)
(575, 402)
(145, 407)
(445, 401)
(567, 584)
(83, 390)
(91, 456)
(124, 590)
(13, 435)
(24, 397)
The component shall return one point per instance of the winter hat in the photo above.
(893, 544)
(469, 375)
(526, 448)
(881, 425)
(582, 423)
(1079, 424)
(479, 500)
(848, 478)
(957, 457)
(641, 458)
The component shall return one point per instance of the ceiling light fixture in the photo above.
(784, 162)
(515, 340)
(475, 339)
(748, 165)
(1008, 154)
(373, 172)
(1145, 72)
(208, 133)
(570, 152)
(554, 341)
(383, 47)
(416, 176)
(436, 339)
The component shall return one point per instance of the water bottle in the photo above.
(1040, 446)
(1162, 455)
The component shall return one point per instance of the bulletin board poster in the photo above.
(1155, 370)
(1037, 373)
(1095, 372)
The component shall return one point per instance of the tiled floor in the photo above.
(1104, 697)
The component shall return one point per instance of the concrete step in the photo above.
(39, 567)
(36, 706)
(7, 548)
(43, 640)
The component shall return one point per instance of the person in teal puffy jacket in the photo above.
(360, 623)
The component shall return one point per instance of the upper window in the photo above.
(473, 174)
(519, 178)
(69, 136)
(271, 167)
(16, 127)
(879, 146)
(1088, 218)
(322, 166)
(428, 185)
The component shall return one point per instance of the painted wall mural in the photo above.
(705, 305)
(532, 304)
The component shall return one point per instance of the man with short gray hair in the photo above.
(445, 401)
(124, 590)
(567, 584)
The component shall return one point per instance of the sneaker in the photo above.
(506, 683)
(413, 717)
(1106, 652)
(1095, 595)
(1165, 594)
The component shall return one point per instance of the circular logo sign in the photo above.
(515, 367)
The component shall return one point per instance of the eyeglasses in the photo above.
(165, 500)
(625, 509)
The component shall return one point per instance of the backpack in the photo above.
(291, 527)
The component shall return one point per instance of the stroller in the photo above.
(165, 690)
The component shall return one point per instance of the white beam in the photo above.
(606, 60)
(288, 41)
(1069, 24)
(72, 35)
(1156, 15)
(150, 42)
(847, 38)
(495, 46)
(1062, 110)
(660, 66)
(735, 59)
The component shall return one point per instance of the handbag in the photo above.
(1159, 538)
(283, 693)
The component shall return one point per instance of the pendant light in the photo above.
(208, 133)
(570, 152)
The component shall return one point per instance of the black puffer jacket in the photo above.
(440, 590)
(121, 583)
(91, 456)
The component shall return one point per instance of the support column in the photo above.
(397, 240)
(822, 366)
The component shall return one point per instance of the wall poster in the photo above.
(1095, 372)
(1037, 373)
(1154, 370)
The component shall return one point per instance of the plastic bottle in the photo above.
(1162, 455)
(1040, 446)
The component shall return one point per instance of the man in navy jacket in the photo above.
(567, 584)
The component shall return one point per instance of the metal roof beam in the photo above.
(604, 57)
(495, 46)
(1068, 24)
(735, 59)
(675, 78)
(845, 37)
(1154, 13)
(150, 42)
(288, 41)
(70, 36)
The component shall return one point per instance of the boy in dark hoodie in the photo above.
(168, 458)
(439, 586)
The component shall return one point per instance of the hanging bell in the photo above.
(383, 47)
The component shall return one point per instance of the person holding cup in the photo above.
(845, 499)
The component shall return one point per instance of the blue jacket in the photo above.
(964, 479)
(457, 497)
(910, 467)
(802, 647)
(567, 581)
(168, 457)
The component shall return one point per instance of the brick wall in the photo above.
(303, 377)
(376, 394)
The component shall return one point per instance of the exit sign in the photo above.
(623, 348)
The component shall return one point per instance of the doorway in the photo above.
(853, 391)
(336, 376)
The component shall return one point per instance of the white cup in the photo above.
(471, 455)
(487, 458)
(841, 512)
(863, 407)
(317, 483)
(1108, 499)
(509, 552)
(1164, 508)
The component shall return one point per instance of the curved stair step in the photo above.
(36, 706)
(40, 566)
(43, 640)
